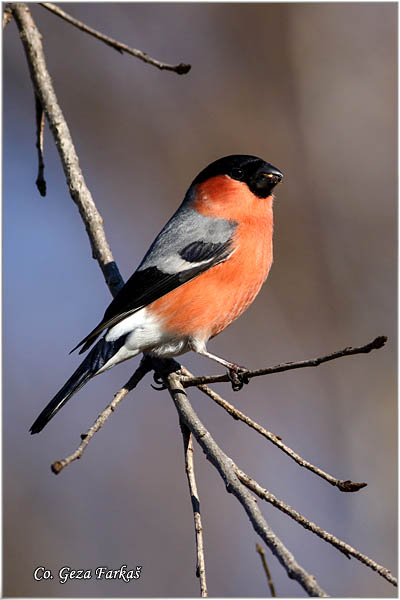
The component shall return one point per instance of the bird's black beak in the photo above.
(274, 177)
(267, 180)
(263, 181)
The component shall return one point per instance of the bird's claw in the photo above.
(160, 383)
(238, 377)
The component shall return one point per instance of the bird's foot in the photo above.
(238, 377)
(159, 381)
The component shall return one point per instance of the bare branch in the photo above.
(346, 549)
(189, 466)
(180, 69)
(344, 486)
(144, 367)
(212, 451)
(266, 569)
(80, 194)
(375, 344)
(7, 16)
(225, 466)
(40, 181)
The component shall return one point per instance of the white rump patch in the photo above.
(145, 334)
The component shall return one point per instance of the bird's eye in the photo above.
(237, 174)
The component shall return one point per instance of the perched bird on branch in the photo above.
(202, 271)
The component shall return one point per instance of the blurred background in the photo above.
(311, 88)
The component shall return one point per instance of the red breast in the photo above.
(206, 305)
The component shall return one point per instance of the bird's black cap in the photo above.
(260, 176)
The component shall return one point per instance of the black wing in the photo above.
(147, 285)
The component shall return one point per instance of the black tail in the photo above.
(96, 359)
(74, 383)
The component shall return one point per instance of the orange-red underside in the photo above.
(206, 305)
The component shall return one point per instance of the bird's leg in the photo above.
(236, 373)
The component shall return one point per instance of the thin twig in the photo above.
(343, 486)
(141, 371)
(181, 69)
(7, 16)
(375, 344)
(345, 548)
(225, 466)
(80, 193)
(40, 181)
(266, 569)
(198, 528)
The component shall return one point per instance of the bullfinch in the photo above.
(201, 272)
